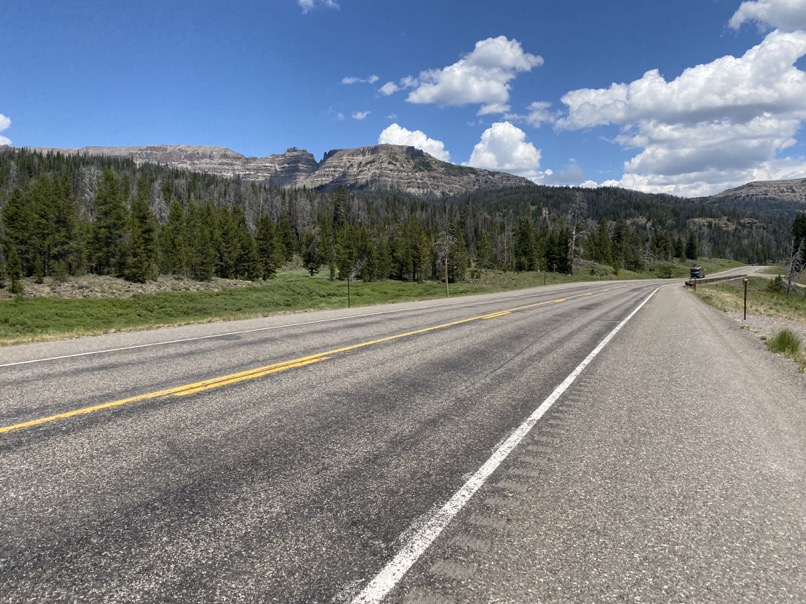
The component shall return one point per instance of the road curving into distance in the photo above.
(294, 458)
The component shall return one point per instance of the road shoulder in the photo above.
(673, 469)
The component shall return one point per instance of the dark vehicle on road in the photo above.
(697, 272)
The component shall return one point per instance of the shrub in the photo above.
(784, 342)
(777, 285)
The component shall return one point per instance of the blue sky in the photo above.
(688, 97)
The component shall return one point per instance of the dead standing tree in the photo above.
(576, 213)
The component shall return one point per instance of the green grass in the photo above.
(785, 342)
(729, 296)
(43, 318)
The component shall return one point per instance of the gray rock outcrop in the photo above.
(395, 167)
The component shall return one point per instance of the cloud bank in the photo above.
(786, 15)
(481, 77)
(714, 125)
(503, 147)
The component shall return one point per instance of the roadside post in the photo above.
(348, 291)
(745, 299)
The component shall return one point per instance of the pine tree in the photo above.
(311, 253)
(484, 251)
(18, 223)
(287, 238)
(142, 249)
(457, 258)
(247, 262)
(3, 272)
(110, 228)
(384, 269)
(227, 242)
(679, 248)
(692, 249)
(15, 271)
(525, 244)
(269, 247)
(173, 243)
(346, 252)
(202, 254)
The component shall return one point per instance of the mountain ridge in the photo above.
(399, 167)
(792, 190)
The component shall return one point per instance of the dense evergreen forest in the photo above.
(63, 215)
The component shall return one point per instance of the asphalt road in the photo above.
(292, 459)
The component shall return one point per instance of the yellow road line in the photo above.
(234, 378)
(497, 314)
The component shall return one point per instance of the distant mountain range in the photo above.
(394, 167)
(781, 190)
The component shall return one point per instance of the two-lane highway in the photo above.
(280, 460)
(590, 442)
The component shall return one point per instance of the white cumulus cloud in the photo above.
(361, 115)
(5, 122)
(397, 135)
(709, 128)
(503, 147)
(392, 87)
(786, 15)
(309, 5)
(481, 77)
(356, 80)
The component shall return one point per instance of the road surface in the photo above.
(297, 458)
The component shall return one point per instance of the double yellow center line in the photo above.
(258, 372)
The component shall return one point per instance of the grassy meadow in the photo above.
(28, 319)
(763, 298)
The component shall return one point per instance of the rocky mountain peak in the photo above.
(396, 167)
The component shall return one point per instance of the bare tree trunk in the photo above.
(578, 209)
(796, 265)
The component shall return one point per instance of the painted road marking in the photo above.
(250, 374)
(414, 547)
(241, 332)
(497, 314)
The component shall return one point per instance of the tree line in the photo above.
(67, 215)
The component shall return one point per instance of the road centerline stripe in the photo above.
(249, 374)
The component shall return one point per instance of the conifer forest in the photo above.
(67, 215)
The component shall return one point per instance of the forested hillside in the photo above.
(63, 215)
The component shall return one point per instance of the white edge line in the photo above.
(393, 572)
(229, 333)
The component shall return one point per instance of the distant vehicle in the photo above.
(697, 272)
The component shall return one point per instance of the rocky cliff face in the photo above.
(781, 190)
(282, 169)
(380, 167)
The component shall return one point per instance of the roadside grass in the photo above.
(47, 318)
(761, 300)
(729, 296)
(30, 319)
(785, 342)
(775, 269)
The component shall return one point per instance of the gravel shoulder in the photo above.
(672, 470)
